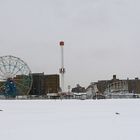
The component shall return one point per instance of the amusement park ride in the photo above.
(62, 69)
(15, 77)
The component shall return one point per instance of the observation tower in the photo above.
(62, 69)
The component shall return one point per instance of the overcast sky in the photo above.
(101, 37)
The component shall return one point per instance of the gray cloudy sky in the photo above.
(101, 37)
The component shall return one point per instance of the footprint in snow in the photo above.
(117, 113)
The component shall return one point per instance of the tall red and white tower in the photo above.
(62, 69)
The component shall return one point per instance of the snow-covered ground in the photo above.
(70, 119)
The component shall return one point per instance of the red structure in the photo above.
(61, 43)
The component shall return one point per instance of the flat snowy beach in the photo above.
(114, 119)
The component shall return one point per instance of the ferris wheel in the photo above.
(15, 76)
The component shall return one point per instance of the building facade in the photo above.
(51, 84)
(43, 84)
(116, 87)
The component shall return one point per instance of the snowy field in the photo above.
(70, 119)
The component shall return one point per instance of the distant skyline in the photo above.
(101, 37)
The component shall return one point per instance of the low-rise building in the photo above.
(117, 87)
